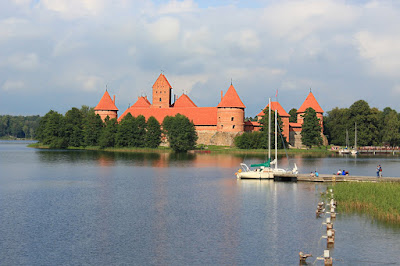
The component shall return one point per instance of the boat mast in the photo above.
(269, 129)
(355, 136)
(347, 138)
(276, 142)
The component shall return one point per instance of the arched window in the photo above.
(232, 118)
(160, 99)
(233, 126)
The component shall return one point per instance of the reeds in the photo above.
(379, 200)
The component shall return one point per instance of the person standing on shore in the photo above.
(377, 171)
(380, 170)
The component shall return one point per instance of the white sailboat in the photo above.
(264, 170)
(355, 151)
(345, 150)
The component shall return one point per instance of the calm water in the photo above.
(93, 208)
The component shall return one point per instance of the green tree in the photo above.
(92, 127)
(390, 130)
(293, 115)
(126, 131)
(367, 123)
(335, 124)
(107, 137)
(181, 133)
(153, 133)
(311, 129)
(51, 130)
(73, 128)
(139, 139)
(281, 141)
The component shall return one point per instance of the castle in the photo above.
(214, 125)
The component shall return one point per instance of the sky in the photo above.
(59, 54)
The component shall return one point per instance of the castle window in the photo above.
(222, 126)
(232, 118)
(160, 99)
(233, 126)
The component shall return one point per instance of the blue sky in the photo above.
(59, 54)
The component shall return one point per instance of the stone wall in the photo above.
(216, 138)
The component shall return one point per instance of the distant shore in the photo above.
(209, 149)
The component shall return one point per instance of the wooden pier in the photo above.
(332, 178)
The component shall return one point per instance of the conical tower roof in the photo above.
(142, 102)
(106, 104)
(184, 101)
(310, 102)
(162, 82)
(231, 99)
(275, 106)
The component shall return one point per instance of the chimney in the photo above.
(222, 94)
(114, 99)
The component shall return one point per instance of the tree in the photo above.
(153, 133)
(311, 129)
(335, 124)
(92, 127)
(293, 115)
(107, 137)
(390, 130)
(281, 141)
(74, 127)
(367, 123)
(181, 133)
(51, 130)
(139, 139)
(126, 131)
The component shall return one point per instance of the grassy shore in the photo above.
(212, 148)
(379, 200)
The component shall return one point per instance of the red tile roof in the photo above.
(184, 101)
(310, 102)
(142, 102)
(231, 99)
(275, 106)
(162, 82)
(291, 124)
(106, 104)
(199, 115)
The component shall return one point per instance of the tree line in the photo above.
(83, 128)
(374, 127)
(18, 126)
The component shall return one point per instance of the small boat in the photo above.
(355, 151)
(264, 170)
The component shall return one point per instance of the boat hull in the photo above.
(255, 175)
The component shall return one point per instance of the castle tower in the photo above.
(230, 112)
(282, 113)
(161, 93)
(106, 107)
(310, 102)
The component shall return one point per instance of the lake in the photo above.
(97, 208)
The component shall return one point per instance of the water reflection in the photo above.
(159, 160)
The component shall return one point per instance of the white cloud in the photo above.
(247, 40)
(90, 83)
(185, 83)
(382, 50)
(295, 20)
(22, 61)
(175, 6)
(71, 9)
(11, 85)
(164, 29)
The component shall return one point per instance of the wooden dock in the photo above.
(332, 178)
